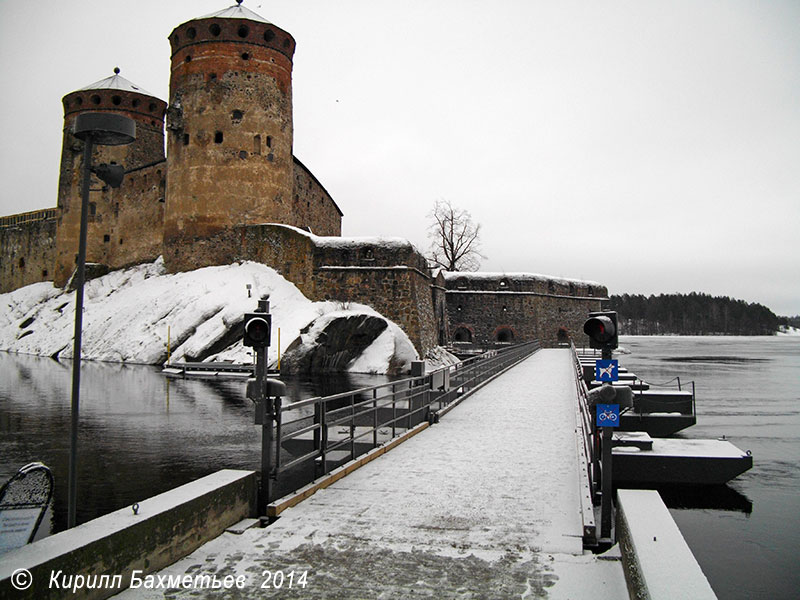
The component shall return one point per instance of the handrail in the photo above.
(359, 420)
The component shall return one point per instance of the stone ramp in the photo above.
(484, 504)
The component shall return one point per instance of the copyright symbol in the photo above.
(21, 579)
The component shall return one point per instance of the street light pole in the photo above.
(72, 500)
(94, 129)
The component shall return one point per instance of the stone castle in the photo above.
(229, 188)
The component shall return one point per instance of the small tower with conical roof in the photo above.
(229, 132)
(108, 210)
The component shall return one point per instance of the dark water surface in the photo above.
(140, 434)
(746, 536)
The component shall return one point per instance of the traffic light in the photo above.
(257, 329)
(601, 327)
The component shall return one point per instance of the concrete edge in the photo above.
(109, 549)
(276, 508)
(657, 561)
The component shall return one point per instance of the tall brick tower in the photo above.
(229, 138)
(107, 209)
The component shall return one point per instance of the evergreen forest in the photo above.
(692, 314)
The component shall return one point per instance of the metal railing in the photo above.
(588, 453)
(28, 217)
(328, 431)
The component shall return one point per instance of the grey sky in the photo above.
(677, 123)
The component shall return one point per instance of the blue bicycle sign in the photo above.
(607, 415)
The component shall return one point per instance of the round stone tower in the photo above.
(229, 133)
(117, 95)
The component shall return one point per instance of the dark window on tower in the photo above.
(269, 141)
(242, 31)
(185, 139)
(191, 33)
(22, 262)
(269, 35)
(214, 29)
(106, 238)
(245, 56)
(218, 137)
(256, 144)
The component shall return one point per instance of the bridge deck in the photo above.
(483, 505)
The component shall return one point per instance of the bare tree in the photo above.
(455, 243)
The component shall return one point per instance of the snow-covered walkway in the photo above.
(484, 504)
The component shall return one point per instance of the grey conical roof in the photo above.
(235, 12)
(115, 82)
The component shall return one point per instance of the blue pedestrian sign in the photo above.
(607, 415)
(606, 370)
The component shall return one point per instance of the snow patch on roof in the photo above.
(389, 243)
(115, 82)
(490, 276)
(235, 12)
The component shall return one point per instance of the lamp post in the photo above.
(101, 129)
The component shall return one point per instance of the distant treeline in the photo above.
(692, 314)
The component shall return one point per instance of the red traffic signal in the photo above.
(601, 327)
(257, 329)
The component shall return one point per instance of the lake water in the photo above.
(142, 434)
(746, 536)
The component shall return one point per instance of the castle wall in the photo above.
(27, 245)
(386, 274)
(313, 205)
(488, 308)
(126, 224)
(112, 212)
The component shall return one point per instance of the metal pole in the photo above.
(72, 492)
(264, 406)
(605, 500)
(266, 459)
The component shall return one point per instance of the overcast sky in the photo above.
(652, 146)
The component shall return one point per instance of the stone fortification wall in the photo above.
(516, 307)
(313, 205)
(388, 274)
(27, 245)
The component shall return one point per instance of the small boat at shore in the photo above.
(25, 499)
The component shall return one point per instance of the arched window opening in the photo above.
(504, 336)
(462, 335)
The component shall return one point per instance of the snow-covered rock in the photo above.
(129, 314)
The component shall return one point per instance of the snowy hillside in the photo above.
(128, 314)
